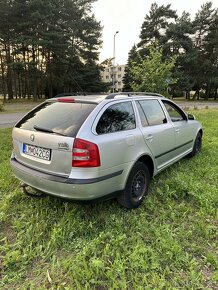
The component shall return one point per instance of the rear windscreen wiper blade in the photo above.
(47, 130)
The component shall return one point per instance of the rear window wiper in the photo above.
(41, 129)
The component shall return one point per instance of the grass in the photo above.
(170, 242)
(19, 105)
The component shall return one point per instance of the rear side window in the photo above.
(118, 117)
(143, 119)
(62, 118)
(153, 112)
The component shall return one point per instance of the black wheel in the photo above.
(136, 187)
(197, 146)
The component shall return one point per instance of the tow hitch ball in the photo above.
(27, 190)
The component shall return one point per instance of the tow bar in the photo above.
(37, 194)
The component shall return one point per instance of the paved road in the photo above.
(8, 120)
(197, 104)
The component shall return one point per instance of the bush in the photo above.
(177, 94)
(2, 107)
(202, 95)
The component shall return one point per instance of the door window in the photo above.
(118, 117)
(143, 119)
(153, 113)
(175, 114)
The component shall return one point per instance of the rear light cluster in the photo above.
(66, 100)
(85, 154)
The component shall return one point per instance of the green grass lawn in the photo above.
(170, 242)
(19, 105)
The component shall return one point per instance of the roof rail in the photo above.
(131, 94)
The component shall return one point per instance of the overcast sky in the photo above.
(127, 16)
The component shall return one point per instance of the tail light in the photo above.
(85, 154)
(66, 100)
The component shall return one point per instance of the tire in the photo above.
(197, 146)
(136, 186)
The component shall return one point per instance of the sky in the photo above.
(127, 16)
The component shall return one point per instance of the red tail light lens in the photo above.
(66, 100)
(85, 154)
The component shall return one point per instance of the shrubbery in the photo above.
(2, 107)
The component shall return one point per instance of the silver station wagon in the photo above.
(90, 147)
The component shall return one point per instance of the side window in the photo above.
(142, 115)
(118, 117)
(153, 112)
(174, 113)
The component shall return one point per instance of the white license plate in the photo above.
(38, 152)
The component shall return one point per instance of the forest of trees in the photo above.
(52, 46)
(48, 47)
(193, 42)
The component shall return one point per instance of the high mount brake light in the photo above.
(85, 154)
(66, 100)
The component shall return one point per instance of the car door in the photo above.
(183, 130)
(158, 132)
(116, 135)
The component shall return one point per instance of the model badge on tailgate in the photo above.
(63, 146)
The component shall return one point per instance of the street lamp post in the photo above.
(113, 72)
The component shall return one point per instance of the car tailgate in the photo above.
(43, 151)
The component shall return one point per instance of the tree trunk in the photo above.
(215, 95)
(3, 77)
(207, 92)
(49, 75)
(24, 90)
(9, 72)
(35, 96)
(28, 75)
(50, 87)
(187, 95)
(19, 85)
(196, 95)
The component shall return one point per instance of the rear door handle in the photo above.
(177, 130)
(149, 137)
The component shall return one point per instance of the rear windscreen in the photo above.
(63, 118)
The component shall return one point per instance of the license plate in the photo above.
(38, 152)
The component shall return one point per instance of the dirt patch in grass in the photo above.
(208, 273)
(7, 233)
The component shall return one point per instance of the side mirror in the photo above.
(191, 117)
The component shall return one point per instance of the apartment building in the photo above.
(117, 72)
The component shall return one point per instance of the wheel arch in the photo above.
(201, 132)
(148, 161)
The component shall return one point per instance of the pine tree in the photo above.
(211, 53)
(127, 79)
(6, 37)
(49, 46)
(156, 24)
(179, 43)
(153, 30)
(201, 68)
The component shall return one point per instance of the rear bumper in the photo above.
(70, 188)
